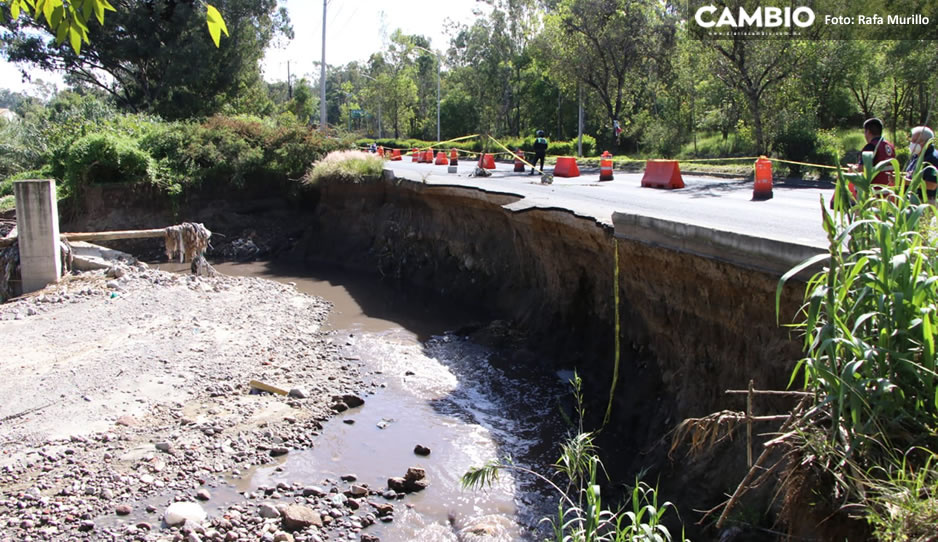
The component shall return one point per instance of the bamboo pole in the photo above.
(769, 392)
(99, 236)
(749, 423)
(114, 235)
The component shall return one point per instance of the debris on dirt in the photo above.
(9, 270)
(187, 240)
(262, 387)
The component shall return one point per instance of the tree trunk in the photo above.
(755, 105)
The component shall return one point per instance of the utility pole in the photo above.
(579, 143)
(289, 82)
(438, 62)
(322, 75)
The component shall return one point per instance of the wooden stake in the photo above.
(749, 425)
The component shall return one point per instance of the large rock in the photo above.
(296, 517)
(415, 473)
(179, 512)
(349, 400)
(397, 484)
(382, 508)
(268, 510)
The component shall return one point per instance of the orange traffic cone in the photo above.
(605, 167)
(395, 155)
(453, 157)
(428, 156)
(519, 165)
(415, 155)
(488, 161)
(381, 151)
(441, 159)
(762, 188)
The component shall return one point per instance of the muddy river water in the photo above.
(435, 388)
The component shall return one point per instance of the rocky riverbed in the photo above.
(129, 412)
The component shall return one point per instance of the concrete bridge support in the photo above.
(37, 228)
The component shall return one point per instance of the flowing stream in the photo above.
(435, 388)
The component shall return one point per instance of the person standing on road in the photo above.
(540, 151)
(919, 137)
(881, 149)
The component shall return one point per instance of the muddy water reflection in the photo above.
(437, 389)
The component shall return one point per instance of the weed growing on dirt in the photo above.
(345, 166)
(581, 515)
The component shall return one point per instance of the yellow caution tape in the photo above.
(499, 143)
(441, 143)
(511, 153)
(805, 164)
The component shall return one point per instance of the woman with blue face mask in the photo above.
(921, 148)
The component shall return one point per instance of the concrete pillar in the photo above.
(37, 230)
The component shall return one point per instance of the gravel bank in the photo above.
(128, 391)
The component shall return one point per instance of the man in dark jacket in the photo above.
(918, 139)
(881, 149)
(540, 151)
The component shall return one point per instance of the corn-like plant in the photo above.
(581, 516)
(870, 314)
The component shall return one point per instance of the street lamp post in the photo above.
(438, 62)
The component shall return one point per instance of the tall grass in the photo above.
(870, 315)
(870, 320)
(345, 166)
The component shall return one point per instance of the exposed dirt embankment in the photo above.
(691, 327)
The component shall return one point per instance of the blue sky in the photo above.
(354, 30)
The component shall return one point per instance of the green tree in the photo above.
(489, 60)
(612, 47)
(303, 104)
(155, 57)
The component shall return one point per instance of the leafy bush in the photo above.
(235, 150)
(902, 148)
(346, 166)
(105, 158)
(662, 140)
(797, 140)
(16, 153)
(561, 148)
(6, 186)
(852, 140)
(714, 146)
(589, 145)
(826, 151)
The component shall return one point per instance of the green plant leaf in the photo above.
(74, 36)
(791, 273)
(216, 24)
